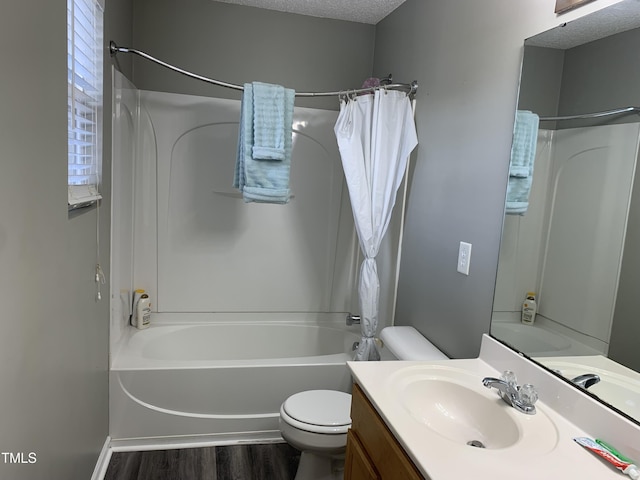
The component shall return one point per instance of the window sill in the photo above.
(78, 208)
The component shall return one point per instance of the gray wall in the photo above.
(466, 56)
(601, 75)
(541, 82)
(238, 44)
(597, 76)
(53, 346)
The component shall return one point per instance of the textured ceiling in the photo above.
(362, 11)
(616, 18)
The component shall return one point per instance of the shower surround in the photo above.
(222, 269)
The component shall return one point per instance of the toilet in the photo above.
(316, 421)
(406, 343)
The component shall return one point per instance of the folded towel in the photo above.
(268, 122)
(264, 143)
(245, 136)
(523, 153)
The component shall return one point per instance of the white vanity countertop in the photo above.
(439, 458)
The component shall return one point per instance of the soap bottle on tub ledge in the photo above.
(529, 308)
(142, 312)
(133, 312)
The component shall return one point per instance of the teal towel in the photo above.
(523, 154)
(268, 122)
(264, 143)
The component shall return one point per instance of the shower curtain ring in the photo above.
(414, 88)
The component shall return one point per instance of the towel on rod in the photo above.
(264, 143)
(523, 153)
(268, 122)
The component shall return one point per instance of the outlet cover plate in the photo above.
(464, 258)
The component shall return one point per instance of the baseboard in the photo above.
(167, 443)
(193, 441)
(103, 461)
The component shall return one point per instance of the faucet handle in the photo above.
(510, 377)
(528, 394)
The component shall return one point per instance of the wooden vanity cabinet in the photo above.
(373, 453)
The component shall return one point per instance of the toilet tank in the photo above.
(406, 343)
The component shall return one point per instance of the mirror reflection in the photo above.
(572, 219)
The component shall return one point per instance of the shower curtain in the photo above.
(375, 133)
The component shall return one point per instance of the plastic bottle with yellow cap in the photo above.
(529, 308)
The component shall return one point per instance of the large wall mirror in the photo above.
(575, 241)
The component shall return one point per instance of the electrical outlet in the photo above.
(464, 258)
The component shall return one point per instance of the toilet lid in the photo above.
(327, 408)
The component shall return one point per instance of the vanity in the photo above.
(437, 421)
(373, 452)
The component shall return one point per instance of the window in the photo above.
(84, 108)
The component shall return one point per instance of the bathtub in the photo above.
(539, 340)
(223, 378)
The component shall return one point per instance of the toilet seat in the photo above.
(318, 411)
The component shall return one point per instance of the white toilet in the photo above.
(316, 421)
(406, 343)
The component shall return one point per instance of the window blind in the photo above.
(84, 107)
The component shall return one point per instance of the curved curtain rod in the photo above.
(115, 49)
(606, 113)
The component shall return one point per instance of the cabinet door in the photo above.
(382, 449)
(358, 466)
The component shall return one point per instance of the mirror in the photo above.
(575, 245)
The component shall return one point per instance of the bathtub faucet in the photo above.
(351, 319)
(586, 380)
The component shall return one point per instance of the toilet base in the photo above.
(320, 467)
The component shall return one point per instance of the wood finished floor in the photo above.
(273, 461)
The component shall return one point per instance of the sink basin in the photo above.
(454, 405)
(459, 413)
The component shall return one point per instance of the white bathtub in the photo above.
(538, 340)
(221, 378)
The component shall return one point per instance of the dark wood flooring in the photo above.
(272, 461)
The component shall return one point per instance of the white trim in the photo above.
(169, 443)
(194, 441)
(79, 194)
(103, 461)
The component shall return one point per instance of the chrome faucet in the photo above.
(586, 380)
(522, 398)
(351, 319)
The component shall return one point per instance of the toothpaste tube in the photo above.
(625, 465)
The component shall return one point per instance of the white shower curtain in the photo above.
(375, 133)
